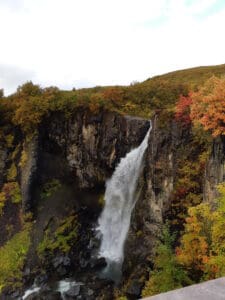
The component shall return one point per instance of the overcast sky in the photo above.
(82, 43)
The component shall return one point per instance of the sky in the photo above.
(84, 43)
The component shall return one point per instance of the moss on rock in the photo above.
(61, 239)
(12, 258)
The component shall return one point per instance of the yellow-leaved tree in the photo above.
(202, 247)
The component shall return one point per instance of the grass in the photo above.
(61, 239)
(12, 258)
(193, 77)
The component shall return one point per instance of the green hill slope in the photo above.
(193, 76)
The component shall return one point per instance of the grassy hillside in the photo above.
(192, 77)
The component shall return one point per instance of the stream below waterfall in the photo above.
(63, 287)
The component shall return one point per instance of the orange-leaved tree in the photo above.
(208, 106)
(183, 108)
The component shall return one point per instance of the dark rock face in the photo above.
(3, 155)
(73, 291)
(215, 170)
(29, 172)
(91, 145)
(134, 289)
(80, 151)
(157, 184)
(159, 176)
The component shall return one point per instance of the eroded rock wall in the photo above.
(215, 170)
(91, 144)
(166, 148)
(3, 156)
(82, 151)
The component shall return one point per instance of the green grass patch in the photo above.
(10, 192)
(61, 239)
(50, 188)
(12, 173)
(12, 258)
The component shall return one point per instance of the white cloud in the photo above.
(11, 77)
(73, 42)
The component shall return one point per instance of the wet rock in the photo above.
(90, 292)
(134, 289)
(86, 293)
(15, 295)
(61, 264)
(27, 272)
(98, 263)
(94, 243)
(45, 295)
(61, 261)
(73, 291)
(41, 280)
(62, 271)
(83, 263)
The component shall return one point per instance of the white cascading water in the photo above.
(120, 198)
(61, 286)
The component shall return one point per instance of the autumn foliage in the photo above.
(205, 107)
(194, 250)
(208, 106)
(201, 251)
(202, 248)
(183, 108)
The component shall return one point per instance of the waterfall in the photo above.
(120, 198)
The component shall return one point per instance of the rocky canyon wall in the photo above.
(81, 152)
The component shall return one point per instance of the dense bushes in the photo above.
(208, 107)
(167, 274)
(31, 103)
(205, 107)
(200, 255)
(10, 192)
(61, 239)
(12, 258)
(191, 160)
(202, 249)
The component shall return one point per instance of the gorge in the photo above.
(86, 192)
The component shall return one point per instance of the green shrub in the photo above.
(101, 200)
(12, 172)
(12, 258)
(61, 239)
(50, 188)
(10, 192)
(2, 202)
(23, 159)
(167, 273)
(9, 140)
